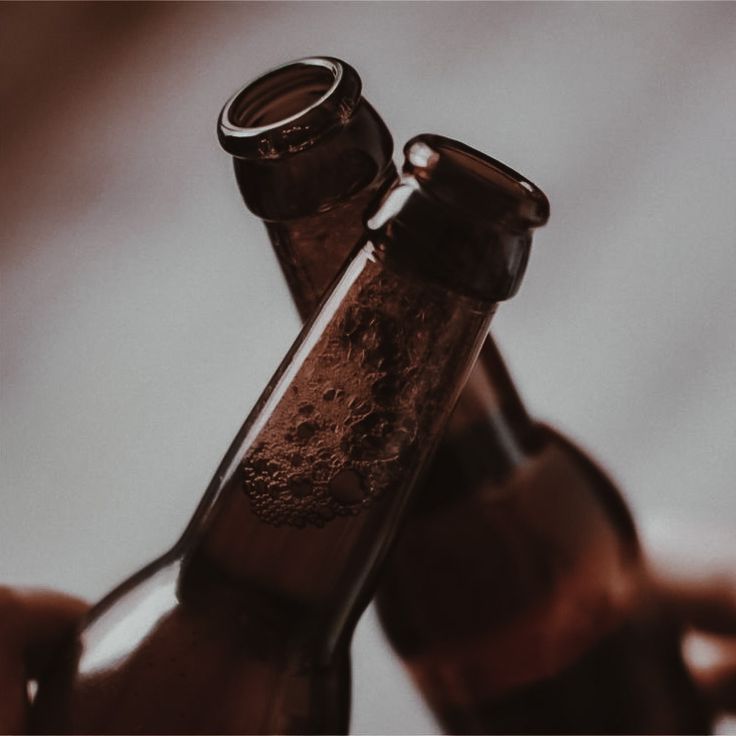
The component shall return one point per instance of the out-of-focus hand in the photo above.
(32, 624)
(706, 606)
(694, 573)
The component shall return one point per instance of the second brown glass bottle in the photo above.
(516, 593)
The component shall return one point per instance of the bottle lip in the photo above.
(329, 87)
(466, 179)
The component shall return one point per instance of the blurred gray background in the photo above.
(143, 310)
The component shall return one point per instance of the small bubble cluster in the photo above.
(352, 421)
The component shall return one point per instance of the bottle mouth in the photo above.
(289, 108)
(478, 185)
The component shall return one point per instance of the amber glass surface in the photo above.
(516, 593)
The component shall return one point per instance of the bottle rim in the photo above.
(245, 130)
(465, 178)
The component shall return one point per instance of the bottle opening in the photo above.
(281, 95)
(289, 108)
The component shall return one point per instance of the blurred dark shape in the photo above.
(51, 53)
(55, 59)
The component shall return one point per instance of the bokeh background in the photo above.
(143, 311)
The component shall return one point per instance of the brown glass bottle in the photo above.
(516, 592)
(244, 626)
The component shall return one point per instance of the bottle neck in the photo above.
(311, 249)
(492, 406)
(320, 174)
(308, 498)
